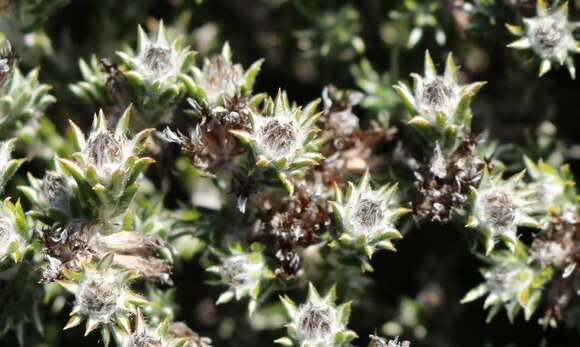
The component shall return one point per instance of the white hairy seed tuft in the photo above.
(54, 188)
(438, 163)
(316, 322)
(549, 37)
(239, 271)
(369, 213)
(278, 138)
(105, 150)
(99, 296)
(220, 78)
(499, 209)
(436, 96)
(157, 59)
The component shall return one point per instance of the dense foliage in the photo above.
(305, 173)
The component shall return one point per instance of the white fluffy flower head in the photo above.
(242, 272)
(108, 150)
(368, 216)
(438, 100)
(512, 282)
(278, 136)
(219, 77)
(102, 295)
(499, 207)
(550, 35)
(99, 295)
(283, 138)
(157, 59)
(318, 322)
(245, 272)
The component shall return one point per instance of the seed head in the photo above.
(99, 295)
(316, 322)
(367, 216)
(512, 282)
(157, 60)
(436, 96)
(499, 209)
(55, 188)
(501, 206)
(278, 137)
(104, 150)
(245, 273)
(220, 79)
(550, 35)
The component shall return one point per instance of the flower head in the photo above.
(318, 322)
(220, 80)
(107, 164)
(102, 295)
(511, 282)
(368, 216)
(283, 138)
(438, 100)
(155, 75)
(549, 35)
(245, 273)
(157, 61)
(554, 188)
(499, 207)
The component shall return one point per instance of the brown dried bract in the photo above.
(295, 222)
(211, 146)
(444, 186)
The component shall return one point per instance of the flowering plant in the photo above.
(243, 153)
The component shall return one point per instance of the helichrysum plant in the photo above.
(154, 71)
(192, 182)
